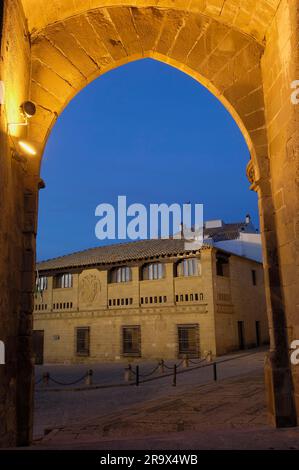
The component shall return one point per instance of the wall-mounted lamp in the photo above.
(28, 108)
(27, 147)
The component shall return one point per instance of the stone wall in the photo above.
(247, 56)
(280, 206)
(15, 375)
(238, 299)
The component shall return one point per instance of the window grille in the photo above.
(131, 340)
(82, 341)
(188, 340)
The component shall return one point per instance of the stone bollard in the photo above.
(88, 378)
(128, 373)
(186, 361)
(162, 366)
(46, 378)
(209, 356)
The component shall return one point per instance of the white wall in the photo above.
(248, 245)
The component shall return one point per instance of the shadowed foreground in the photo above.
(230, 414)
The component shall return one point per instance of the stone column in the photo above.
(25, 364)
(279, 209)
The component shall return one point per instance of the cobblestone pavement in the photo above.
(226, 415)
(198, 413)
(57, 409)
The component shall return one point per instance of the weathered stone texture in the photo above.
(245, 53)
(14, 71)
(280, 68)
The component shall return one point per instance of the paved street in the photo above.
(55, 409)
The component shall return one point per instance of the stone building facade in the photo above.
(147, 300)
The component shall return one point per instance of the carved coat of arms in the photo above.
(88, 289)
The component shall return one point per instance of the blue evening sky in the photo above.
(147, 131)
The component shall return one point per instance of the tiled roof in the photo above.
(115, 254)
(124, 252)
(226, 232)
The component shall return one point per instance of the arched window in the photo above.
(122, 274)
(188, 267)
(63, 281)
(41, 283)
(153, 271)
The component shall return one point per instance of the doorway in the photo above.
(258, 333)
(241, 335)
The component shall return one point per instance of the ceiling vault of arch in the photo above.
(69, 53)
(252, 17)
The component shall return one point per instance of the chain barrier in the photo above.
(75, 382)
(152, 372)
(197, 362)
(167, 367)
(46, 378)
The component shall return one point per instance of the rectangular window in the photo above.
(63, 281)
(222, 266)
(82, 341)
(131, 340)
(188, 339)
(253, 277)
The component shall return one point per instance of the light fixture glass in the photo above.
(27, 147)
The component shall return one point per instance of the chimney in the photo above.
(247, 219)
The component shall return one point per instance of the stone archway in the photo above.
(51, 50)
